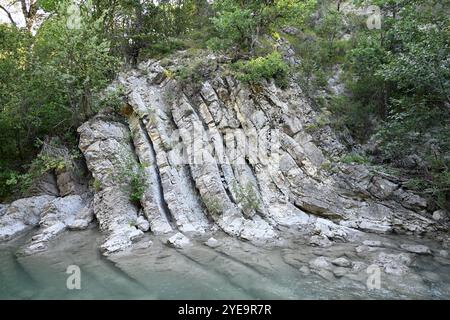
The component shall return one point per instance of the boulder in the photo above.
(142, 224)
(439, 215)
(320, 263)
(179, 241)
(22, 215)
(320, 241)
(212, 243)
(416, 248)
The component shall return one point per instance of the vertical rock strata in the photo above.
(225, 157)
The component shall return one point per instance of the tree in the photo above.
(239, 24)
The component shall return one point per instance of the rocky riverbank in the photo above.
(229, 166)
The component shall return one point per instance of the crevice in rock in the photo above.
(160, 197)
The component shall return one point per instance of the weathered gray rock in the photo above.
(187, 138)
(320, 263)
(439, 215)
(3, 209)
(66, 179)
(78, 224)
(121, 237)
(375, 226)
(305, 270)
(320, 241)
(84, 217)
(443, 253)
(358, 266)
(109, 156)
(182, 144)
(340, 272)
(372, 243)
(365, 249)
(22, 215)
(44, 185)
(322, 267)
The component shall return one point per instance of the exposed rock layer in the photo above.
(226, 157)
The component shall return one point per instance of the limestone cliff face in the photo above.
(231, 158)
(226, 157)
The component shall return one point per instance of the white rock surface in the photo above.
(395, 264)
(179, 241)
(416, 248)
(212, 243)
(22, 215)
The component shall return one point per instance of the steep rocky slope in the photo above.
(226, 157)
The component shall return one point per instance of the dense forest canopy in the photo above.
(396, 97)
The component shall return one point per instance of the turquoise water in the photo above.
(160, 272)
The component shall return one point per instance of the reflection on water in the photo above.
(159, 272)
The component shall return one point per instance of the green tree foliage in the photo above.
(50, 82)
(239, 24)
(399, 84)
(139, 29)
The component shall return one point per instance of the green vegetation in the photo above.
(213, 205)
(137, 185)
(395, 80)
(246, 197)
(270, 67)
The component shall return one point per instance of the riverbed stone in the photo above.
(179, 241)
(416, 248)
(342, 262)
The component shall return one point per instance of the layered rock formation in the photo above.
(227, 157)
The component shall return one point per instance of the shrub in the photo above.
(40, 165)
(137, 185)
(194, 72)
(132, 176)
(113, 98)
(268, 67)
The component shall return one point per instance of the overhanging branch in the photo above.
(9, 15)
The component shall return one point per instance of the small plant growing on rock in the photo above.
(97, 185)
(133, 176)
(268, 67)
(353, 158)
(213, 205)
(246, 197)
